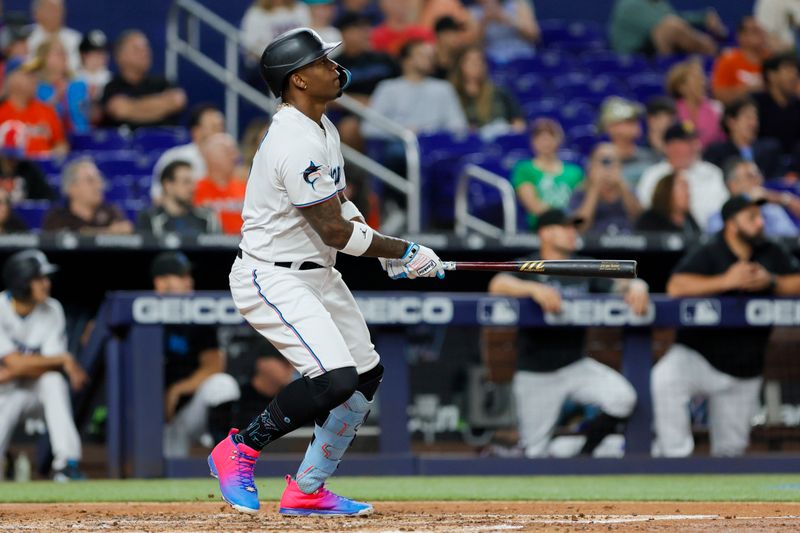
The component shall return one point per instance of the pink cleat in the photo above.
(321, 502)
(233, 464)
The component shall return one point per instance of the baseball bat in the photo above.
(589, 268)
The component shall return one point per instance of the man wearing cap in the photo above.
(36, 371)
(44, 131)
(619, 119)
(724, 364)
(707, 190)
(94, 63)
(743, 178)
(553, 366)
(198, 393)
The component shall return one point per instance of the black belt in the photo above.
(305, 265)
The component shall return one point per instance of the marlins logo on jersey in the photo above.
(312, 173)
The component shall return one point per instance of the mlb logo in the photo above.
(498, 312)
(704, 312)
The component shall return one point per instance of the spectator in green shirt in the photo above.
(654, 27)
(545, 182)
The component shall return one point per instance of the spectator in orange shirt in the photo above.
(430, 11)
(44, 129)
(737, 71)
(398, 27)
(221, 190)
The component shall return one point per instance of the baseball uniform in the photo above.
(42, 332)
(303, 308)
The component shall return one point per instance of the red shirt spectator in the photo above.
(398, 28)
(44, 130)
(221, 190)
(737, 72)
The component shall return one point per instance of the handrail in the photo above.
(466, 221)
(236, 88)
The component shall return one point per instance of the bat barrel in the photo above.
(590, 268)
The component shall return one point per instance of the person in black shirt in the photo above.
(449, 44)
(176, 214)
(134, 97)
(724, 364)
(10, 222)
(553, 365)
(199, 394)
(778, 106)
(740, 123)
(271, 373)
(367, 68)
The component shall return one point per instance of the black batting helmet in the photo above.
(22, 268)
(291, 51)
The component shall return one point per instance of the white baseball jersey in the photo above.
(42, 332)
(297, 165)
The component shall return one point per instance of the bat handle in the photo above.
(449, 265)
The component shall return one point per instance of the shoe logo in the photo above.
(250, 489)
(364, 233)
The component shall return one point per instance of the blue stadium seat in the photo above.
(511, 141)
(32, 212)
(557, 31)
(101, 139)
(645, 86)
(149, 140)
(609, 63)
(582, 139)
(49, 165)
(546, 107)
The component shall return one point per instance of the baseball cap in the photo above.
(93, 41)
(617, 109)
(556, 217)
(447, 24)
(348, 19)
(737, 203)
(21, 64)
(680, 131)
(170, 264)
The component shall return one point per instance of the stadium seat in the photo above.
(546, 107)
(511, 141)
(148, 140)
(32, 212)
(101, 139)
(609, 63)
(49, 166)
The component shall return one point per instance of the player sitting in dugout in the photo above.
(199, 395)
(34, 361)
(553, 366)
(723, 364)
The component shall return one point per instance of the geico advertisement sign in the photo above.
(773, 312)
(200, 310)
(599, 313)
(407, 310)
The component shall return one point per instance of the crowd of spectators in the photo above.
(432, 66)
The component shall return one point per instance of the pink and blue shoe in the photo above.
(321, 502)
(233, 464)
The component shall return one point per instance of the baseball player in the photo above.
(33, 355)
(296, 219)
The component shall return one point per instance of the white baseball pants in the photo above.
(191, 420)
(683, 373)
(310, 316)
(49, 396)
(540, 395)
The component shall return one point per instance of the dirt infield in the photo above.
(410, 516)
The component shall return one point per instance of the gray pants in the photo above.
(49, 396)
(540, 395)
(191, 421)
(683, 373)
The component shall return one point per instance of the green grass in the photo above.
(619, 488)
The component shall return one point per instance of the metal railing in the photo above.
(465, 221)
(188, 48)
